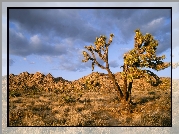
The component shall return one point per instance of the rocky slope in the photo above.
(93, 81)
(25, 81)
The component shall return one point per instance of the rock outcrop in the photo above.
(25, 81)
(93, 81)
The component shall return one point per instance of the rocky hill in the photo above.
(93, 81)
(25, 81)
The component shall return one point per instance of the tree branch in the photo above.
(96, 60)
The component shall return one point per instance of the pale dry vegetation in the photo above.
(89, 101)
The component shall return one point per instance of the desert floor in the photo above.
(97, 107)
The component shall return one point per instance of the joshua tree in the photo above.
(101, 48)
(143, 55)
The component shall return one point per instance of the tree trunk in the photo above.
(111, 75)
(125, 89)
(129, 91)
(126, 94)
(117, 87)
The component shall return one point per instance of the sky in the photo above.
(52, 40)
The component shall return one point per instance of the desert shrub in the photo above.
(33, 91)
(14, 93)
(151, 93)
(69, 99)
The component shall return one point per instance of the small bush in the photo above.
(14, 93)
(69, 99)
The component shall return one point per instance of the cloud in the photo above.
(164, 43)
(87, 24)
(30, 62)
(11, 62)
(35, 40)
(113, 64)
(48, 59)
(21, 46)
(65, 23)
(127, 20)
(63, 33)
(18, 45)
(73, 63)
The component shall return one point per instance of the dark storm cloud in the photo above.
(64, 23)
(126, 21)
(54, 32)
(18, 44)
(87, 24)
(21, 46)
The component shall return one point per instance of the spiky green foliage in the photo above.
(101, 48)
(143, 56)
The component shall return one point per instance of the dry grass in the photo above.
(91, 107)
